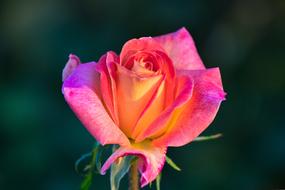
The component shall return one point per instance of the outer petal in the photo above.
(81, 91)
(181, 49)
(151, 160)
(199, 112)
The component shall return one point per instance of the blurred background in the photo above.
(40, 137)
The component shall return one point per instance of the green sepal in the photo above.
(80, 161)
(118, 170)
(172, 164)
(98, 160)
(206, 138)
(157, 181)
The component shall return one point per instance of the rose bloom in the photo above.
(157, 93)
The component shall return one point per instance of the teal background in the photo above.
(40, 137)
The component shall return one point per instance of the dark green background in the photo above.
(40, 137)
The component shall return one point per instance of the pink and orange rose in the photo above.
(156, 93)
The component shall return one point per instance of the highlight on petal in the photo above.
(82, 93)
(150, 163)
(197, 114)
(181, 49)
(70, 66)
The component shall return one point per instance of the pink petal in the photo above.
(181, 49)
(82, 93)
(150, 163)
(199, 111)
(70, 66)
(184, 88)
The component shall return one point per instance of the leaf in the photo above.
(172, 164)
(157, 181)
(118, 170)
(206, 138)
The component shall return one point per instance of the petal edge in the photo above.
(181, 49)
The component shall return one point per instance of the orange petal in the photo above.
(151, 111)
(134, 93)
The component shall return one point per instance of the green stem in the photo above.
(134, 176)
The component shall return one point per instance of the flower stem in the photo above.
(134, 176)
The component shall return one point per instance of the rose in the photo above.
(156, 93)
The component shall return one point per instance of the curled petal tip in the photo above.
(70, 66)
